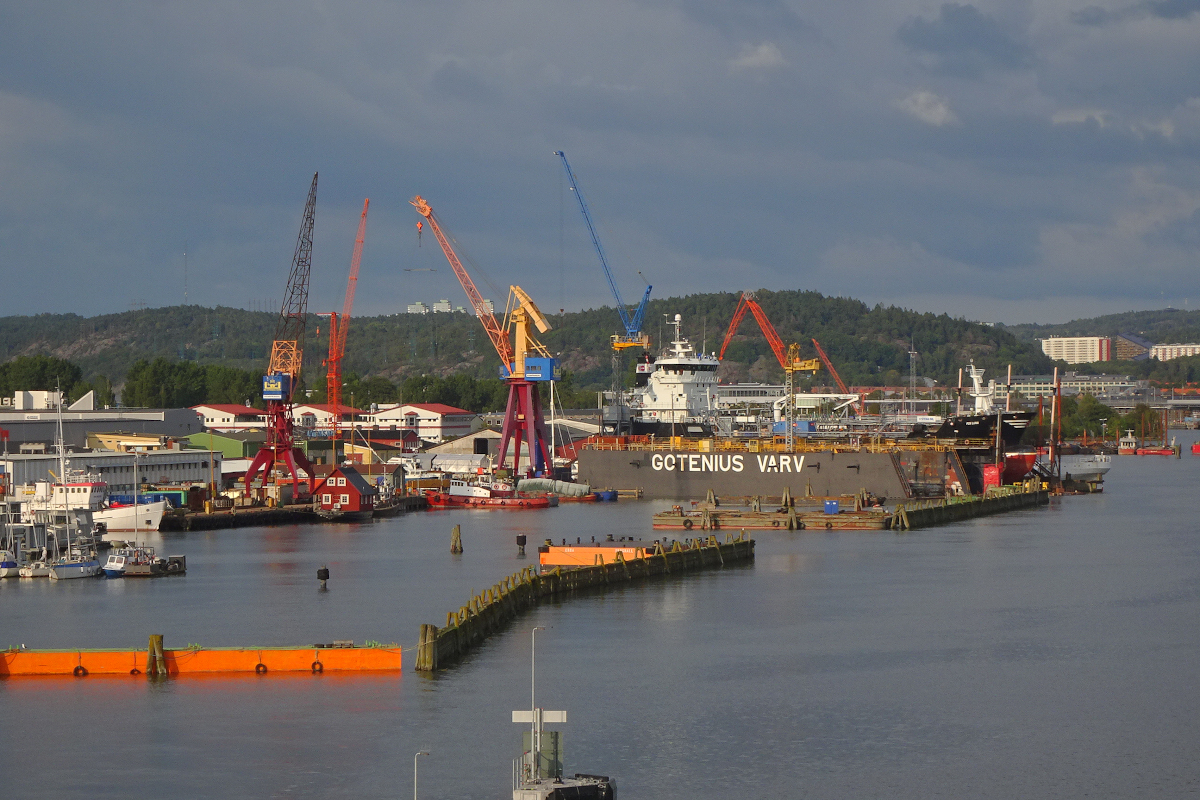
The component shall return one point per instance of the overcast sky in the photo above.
(1011, 161)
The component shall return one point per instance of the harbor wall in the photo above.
(683, 475)
(491, 612)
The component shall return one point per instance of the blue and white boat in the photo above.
(9, 568)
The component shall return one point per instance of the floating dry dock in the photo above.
(904, 516)
(200, 660)
(491, 612)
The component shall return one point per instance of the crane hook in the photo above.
(420, 225)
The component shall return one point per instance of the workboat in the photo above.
(84, 490)
(1127, 445)
(485, 494)
(114, 565)
(674, 395)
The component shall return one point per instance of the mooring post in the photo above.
(323, 576)
(456, 540)
(521, 544)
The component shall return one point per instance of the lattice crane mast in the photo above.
(338, 325)
(634, 337)
(283, 371)
(523, 418)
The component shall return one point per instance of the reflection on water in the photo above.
(1050, 652)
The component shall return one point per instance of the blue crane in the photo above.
(633, 322)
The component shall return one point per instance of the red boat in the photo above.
(1156, 451)
(486, 495)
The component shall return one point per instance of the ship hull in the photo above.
(983, 427)
(672, 474)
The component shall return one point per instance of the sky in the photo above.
(1031, 161)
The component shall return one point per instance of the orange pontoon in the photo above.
(246, 660)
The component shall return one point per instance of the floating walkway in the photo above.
(156, 661)
(927, 513)
(491, 612)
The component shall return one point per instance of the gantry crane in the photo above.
(287, 352)
(338, 325)
(788, 358)
(523, 419)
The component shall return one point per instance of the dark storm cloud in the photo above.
(965, 41)
(974, 158)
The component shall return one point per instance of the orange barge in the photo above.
(244, 660)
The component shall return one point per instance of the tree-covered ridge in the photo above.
(1168, 325)
(869, 345)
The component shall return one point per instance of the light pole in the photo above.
(418, 755)
(535, 737)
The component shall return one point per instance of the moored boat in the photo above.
(9, 568)
(482, 494)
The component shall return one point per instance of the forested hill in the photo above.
(1168, 325)
(868, 345)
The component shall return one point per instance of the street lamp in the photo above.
(418, 755)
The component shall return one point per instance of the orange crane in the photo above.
(789, 359)
(338, 324)
(523, 418)
(494, 330)
(838, 378)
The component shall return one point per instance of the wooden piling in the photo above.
(156, 663)
(456, 540)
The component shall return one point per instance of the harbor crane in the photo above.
(634, 336)
(338, 325)
(283, 370)
(788, 358)
(522, 367)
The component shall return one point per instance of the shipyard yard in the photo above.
(1053, 650)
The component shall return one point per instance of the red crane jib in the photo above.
(339, 324)
(747, 302)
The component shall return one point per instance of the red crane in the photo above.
(523, 418)
(838, 378)
(287, 352)
(788, 359)
(338, 324)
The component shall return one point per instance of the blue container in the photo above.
(832, 506)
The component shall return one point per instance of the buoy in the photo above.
(323, 575)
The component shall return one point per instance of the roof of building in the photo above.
(328, 409)
(1138, 340)
(237, 436)
(357, 480)
(436, 408)
(232, 408)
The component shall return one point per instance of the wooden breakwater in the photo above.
(491, 611)
(926, 513)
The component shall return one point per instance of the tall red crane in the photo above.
(523, 418)
(338, 324)
(789, 359)
(287, 352)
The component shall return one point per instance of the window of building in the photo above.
(325, 498)
(345, 498)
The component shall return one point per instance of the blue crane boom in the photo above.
(633, 322)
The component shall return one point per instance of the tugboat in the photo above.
(486, 494)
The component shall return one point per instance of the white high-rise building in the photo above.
(418, 308)
(1078, 349)
(442, 306)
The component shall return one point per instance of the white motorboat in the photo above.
(35, 569)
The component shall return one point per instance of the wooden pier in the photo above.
(491, 612)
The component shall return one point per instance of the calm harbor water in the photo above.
(1048, 653)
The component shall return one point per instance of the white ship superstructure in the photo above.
(680, 391)
(86, 491)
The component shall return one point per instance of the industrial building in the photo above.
(433, 422)
(1078, 349)
(1099, 386)
(31, 419)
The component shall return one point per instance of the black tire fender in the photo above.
(687, 524)
(318, 667)
(80, 671)
(260, 668)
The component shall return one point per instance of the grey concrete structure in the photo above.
(40, 426)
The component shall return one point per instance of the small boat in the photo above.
(114, 565)
(78, 565)
(1128, 444)
(9, 568)
(145, 563)
(35, 569)
(1155, 451)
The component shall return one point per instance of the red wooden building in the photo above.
(345, 494)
